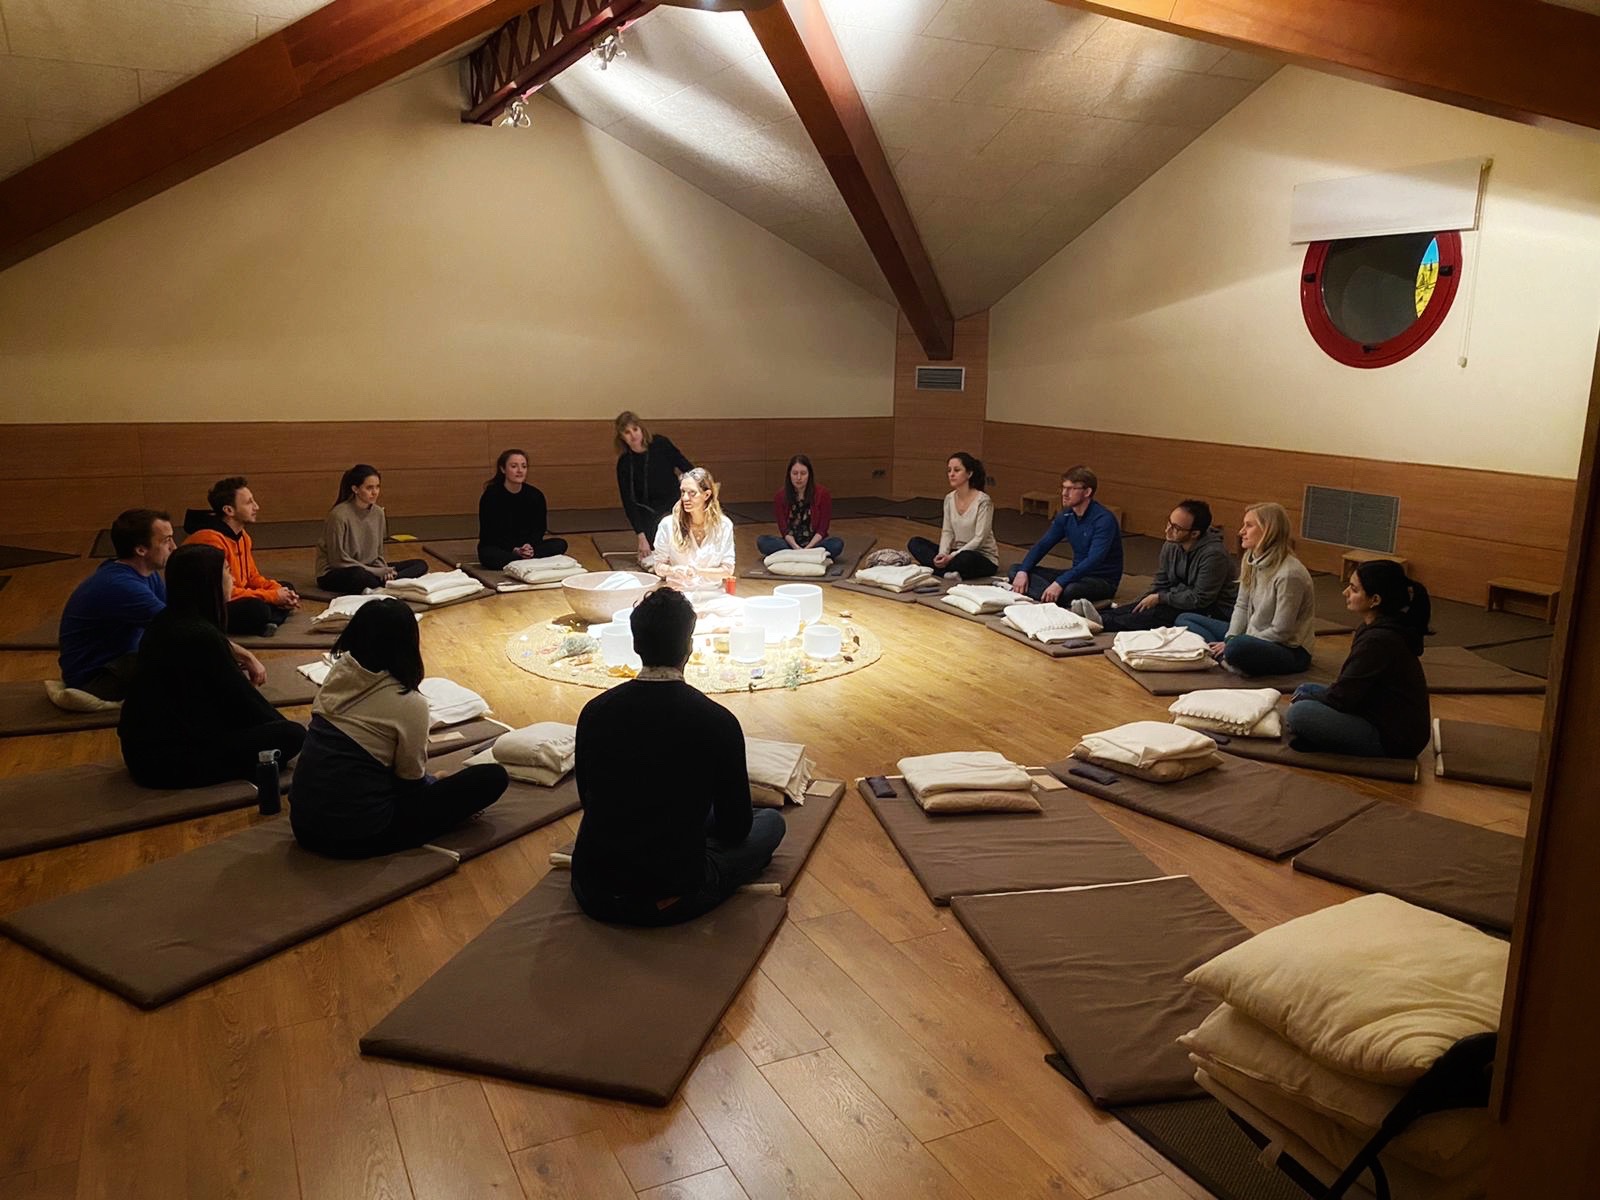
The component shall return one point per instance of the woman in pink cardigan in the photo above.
(803, 508)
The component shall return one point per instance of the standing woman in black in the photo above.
(648, 468)
(192, 718)
(512, 516)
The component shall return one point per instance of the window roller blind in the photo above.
(1423, 199)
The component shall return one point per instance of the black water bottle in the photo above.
(268, 802)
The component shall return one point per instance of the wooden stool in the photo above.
(1545, 596)
(1353, 558)
(1042, 503)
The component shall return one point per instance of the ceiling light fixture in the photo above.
(515, 115)
(608, 49)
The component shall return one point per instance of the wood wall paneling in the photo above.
(929, 426)
(65, 451)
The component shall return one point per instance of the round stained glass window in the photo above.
(1372, 301)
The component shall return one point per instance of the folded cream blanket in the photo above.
(339, 611)
(542, 753)
(317, 671)
(543, 570)
(429, 585)
(963, 771)
(542, 776)
(1247, 712)
(76, 700)
(1145, 743)
(1167, 649)
(895, 579)
(778, 771)
(798, 570)
(979, 598)
(815, 555)
(1049, 622)
(450, 703)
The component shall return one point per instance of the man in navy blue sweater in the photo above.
(1096, 543)
(106, 615)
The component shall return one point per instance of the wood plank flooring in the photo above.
(873, 1054)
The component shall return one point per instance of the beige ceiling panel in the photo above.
(934, 124)
(983, 179)
(16, 149)
(764, 206)
(1023, 24)
(663, 48)
(1173, 97)
(38, 87)
(286, 10)
(697, 117)
(718, 179)
(753, 88)
(49, 135)
(1123, 41)
(1058, 138)
(597, 101)
(896, 16)
(909, 65)
(153, 83)
(126, 33)
(1057, 83)
(1152, 147)
(1238, 65)
(727, 36)
(1055, 185)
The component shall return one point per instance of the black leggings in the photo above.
(351, 581)
(252, 615)
(496, 557)
(202, 762)
(968, 564)
(422, 812)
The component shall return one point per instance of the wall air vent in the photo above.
(1344, 518)
(941, 379)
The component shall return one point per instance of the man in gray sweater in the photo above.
(1193, 575)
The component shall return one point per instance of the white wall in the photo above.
(385, 260)
(1178, 313)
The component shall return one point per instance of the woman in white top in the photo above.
(1274, 617)
(966, 543)
(694, 542)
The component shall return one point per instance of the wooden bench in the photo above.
(1042, 503)
(1354, 558)
(1544, 597)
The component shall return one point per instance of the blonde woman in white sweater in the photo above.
(966, 543)
(1272, 628)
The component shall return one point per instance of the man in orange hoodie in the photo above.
(257, 605)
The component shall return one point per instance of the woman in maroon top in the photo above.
(803, 508)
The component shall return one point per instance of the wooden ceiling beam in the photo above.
(1519, 59)
(806, 57)
(278, 82)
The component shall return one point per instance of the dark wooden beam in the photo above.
(802, 49)
(1520, 59)
(286, 78)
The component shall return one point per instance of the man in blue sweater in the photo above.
(1096, 543)
(105, 617)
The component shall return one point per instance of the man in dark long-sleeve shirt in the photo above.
(1096, 541)
(668, 832)
(1194, 575)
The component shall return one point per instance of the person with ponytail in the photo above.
(1378, 707)
(512, 516)
(350, 552)
(966, 541)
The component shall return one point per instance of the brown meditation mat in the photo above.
(1278, 750)
(933, 587)
(1531, 657)
(1100, 970)
(15, 557)
(1260, 809)
(1179, 683)
(936, 602)
(620, 544)
(296, 633)
(466, 735)
(1453, 868)
(548, 995)
(166, 929)
(1098, 644)
(1492, 754)
(956, 854)
(522, 808)
(46, 635)
(845, 564)
(1454, 669)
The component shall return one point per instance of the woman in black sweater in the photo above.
(1378, 707)
(648, 469)
(192, 718)
(512, 515)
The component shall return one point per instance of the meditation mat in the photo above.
(1491, 754)
(1455, 623)
(1459, 870)
(1454, 669)
(1179, 683)
(536, 649)
(933, 587)
(961, 854)
(1531, 657)
(547, 995)
(845, 564)
(297, 633)
(935, 601)
(1100, 970)
(12, 557)
(168, 928)
(923, 509)
(618, 545)
(1278, 750)
(429, 528)
(464, 556)
(1322, 627)
(1098, 644)
(46, 635)
(1260, 809)
(1017, 528)
(1141, 554)
(467, 735)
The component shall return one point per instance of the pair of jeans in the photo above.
(769, 543)
(1090, 587)
(1120, 618)
(1316, 726)
(496, 557)
(968, 564)
(728, 868)
(423, 810)
(352, 581)
(1247, 654)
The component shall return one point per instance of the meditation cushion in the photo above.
(449, 703)
(798, 570)
(1168, 649)
(962, 771)
(543, 753)
(543, 570)
(76, 700)
(1168, 771)
(1146, 743)
(1239, 712)
(778, 772)
(1049, 622)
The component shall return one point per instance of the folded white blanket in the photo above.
(339, 611)
(431, 584)
(549, 744)
(1146, 743)
(814, 555)
(799, 570)
(1049, 622)
(450, 703)
(963, 771)
(543, 776)
(895, 579)
(979, 598)
(1247, 712)
(616, 581)
(1167, 649)
(543, 570)
(778, 767)
(317, 671)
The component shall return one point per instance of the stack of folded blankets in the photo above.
(1247, 712)
(968, 781)
(895, 579)
(979, 598)
(339, 611)
(1150, 750)
(1166, 649)
(450, 703)
(802, 564)
(779, 772)
(437, 587)
(1327, 1020)
(542, 753)
(1049, 622)
(543, 572)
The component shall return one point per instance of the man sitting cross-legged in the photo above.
(107, 613)
(1193, 575)
(1096, 540)
(256, 604)
(668, 832)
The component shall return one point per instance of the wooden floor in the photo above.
(874, 1052)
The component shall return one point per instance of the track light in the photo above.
(515, 115)
(608, 49)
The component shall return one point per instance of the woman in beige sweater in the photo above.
(966, 543)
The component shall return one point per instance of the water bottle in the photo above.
(268, 801)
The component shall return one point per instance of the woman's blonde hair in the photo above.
(1268, 556)
(625, 418)
(680, 519)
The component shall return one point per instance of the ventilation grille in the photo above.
(941, 379)
(1358, 519)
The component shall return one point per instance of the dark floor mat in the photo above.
(12, 557)
(922, 509)
(1457, 669)
(841, 567)
(1018, 528)
(1479, 753)
(1202, 1140)
(1531, 657)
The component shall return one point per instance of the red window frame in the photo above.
(1344, 349)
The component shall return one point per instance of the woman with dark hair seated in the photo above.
(966, 543)
(192, 718)
(361, 788)
(803, 508)
(350, 552)
(512, 516)
(1378, 707)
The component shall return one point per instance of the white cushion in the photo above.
(777, 767)
(76, 700)
(1229, 711)
(543, 570)
(430, 584)
(552, 745)
(1166, 649)
(450, 703)
(895, 579)
(816, 555)
(1145, 743)
(1270, 726)
(340, 609)
(542, 776)
(444, 595)
(963, 770)
(1048, 622)
(979, 598)
(798, 570)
